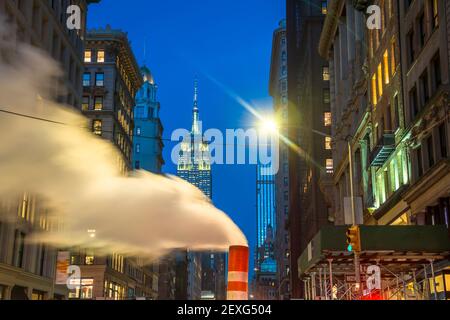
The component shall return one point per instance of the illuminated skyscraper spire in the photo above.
(196, 117)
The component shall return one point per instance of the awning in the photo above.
(400, 248)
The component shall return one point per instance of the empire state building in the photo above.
(194, 163)
(205, 271)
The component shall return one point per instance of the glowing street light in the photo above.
(269, 125)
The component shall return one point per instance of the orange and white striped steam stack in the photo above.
(238, 262)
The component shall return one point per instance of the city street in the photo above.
(224, 159)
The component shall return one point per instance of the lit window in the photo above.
(97, 127)
(84, 289)
(326, 96)
(85, 103)
(89, 260)
(329, 166)
(327, 119)
(374, 90)
(386, 67)
(380, 80)
(326, 73)
(324, 7)
(100, 79)
(101, 56)
(98, 104)
(138, 148)
(88, 56)
(86, 79)
(328, 143)
(138, 131)
(435, 8)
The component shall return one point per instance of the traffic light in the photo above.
(353, 239)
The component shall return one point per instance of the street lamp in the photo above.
(268, 125)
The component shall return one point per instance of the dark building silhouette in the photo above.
(309, 107)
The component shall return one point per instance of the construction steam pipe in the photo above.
(238, 262)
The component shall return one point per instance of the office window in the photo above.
(99, 79)
(390, 6)
(37, 295)
(386, 67)
(410, 47)
(326, 73)
(436, 70)
(138, 131)
(396, 112)
(98, 103)
(413, 102)
(385, 14)
(327, 119)
(374, 90)
(86, 79)
(85, 103)
(101, 56)
(388, 119)
(435, 13)
(328, 143)
(393, 60)
(443, 140)
(329, 165)
(286, 181)
(97, 127)
(324, 7)
(380, 80)
(19, 248)
(430, 152)
(84, 291)
(286, 196)
(138, 148)
(88, 56)
(419, 162)
(424, 91)
(408, 4)
(89, 260)
(422, 29)
(326, 96)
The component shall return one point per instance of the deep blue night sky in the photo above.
(229, 40)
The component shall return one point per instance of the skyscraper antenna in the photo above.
(196, 94)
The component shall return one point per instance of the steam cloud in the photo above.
(76, 174)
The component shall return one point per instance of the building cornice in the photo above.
(330, 26)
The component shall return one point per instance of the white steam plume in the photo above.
(77, 174)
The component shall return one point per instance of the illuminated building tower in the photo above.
(194, 164)
(148, 130)
(205, 272)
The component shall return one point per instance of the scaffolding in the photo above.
(410, 260)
